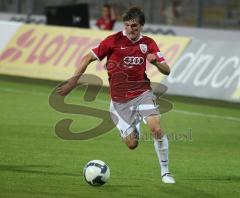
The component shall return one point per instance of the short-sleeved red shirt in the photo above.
(104, 24)
(126, 64)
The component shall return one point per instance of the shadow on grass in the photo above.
(183, 191)
(31, 170)
(209, 178)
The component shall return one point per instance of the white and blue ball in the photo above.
(96, 172)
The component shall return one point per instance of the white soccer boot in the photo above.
(168, 179)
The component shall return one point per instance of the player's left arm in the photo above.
(156, 58)
(159, 62)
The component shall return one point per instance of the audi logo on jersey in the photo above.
(131, 60)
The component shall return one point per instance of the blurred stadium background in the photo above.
(213, 14)
(200, 40)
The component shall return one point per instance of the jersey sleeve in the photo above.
(103, 49)
(154, 49)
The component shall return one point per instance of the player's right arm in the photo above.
(97, 53)
(67, 87)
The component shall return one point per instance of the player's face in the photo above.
(133, 29)
(106, 12)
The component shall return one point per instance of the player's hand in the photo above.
(65, 88)
(151, 58)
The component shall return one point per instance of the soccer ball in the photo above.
(96, 172)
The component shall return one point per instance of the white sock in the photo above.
(161, 148)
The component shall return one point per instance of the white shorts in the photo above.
(128, 116)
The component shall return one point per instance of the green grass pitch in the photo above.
(34, 162)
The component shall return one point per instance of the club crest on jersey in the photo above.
(143, 48)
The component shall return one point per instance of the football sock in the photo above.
(161, 148)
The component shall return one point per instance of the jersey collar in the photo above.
(125, 34)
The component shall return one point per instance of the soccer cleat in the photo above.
(168, 179)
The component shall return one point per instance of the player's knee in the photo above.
(157, 132)
(132, 144)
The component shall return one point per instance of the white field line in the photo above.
(191, 113)
(179, 111)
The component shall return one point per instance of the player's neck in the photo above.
(136, 38)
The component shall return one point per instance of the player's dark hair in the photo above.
(134, 13)
(107, 6)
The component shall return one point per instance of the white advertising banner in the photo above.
(207, 69)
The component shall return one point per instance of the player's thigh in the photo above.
(124, 119)
(147, 106)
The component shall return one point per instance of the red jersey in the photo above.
(126, 64)
(104, 24)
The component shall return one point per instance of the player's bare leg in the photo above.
(131, 140)
(161, 147)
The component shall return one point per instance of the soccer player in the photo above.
(132, 99)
